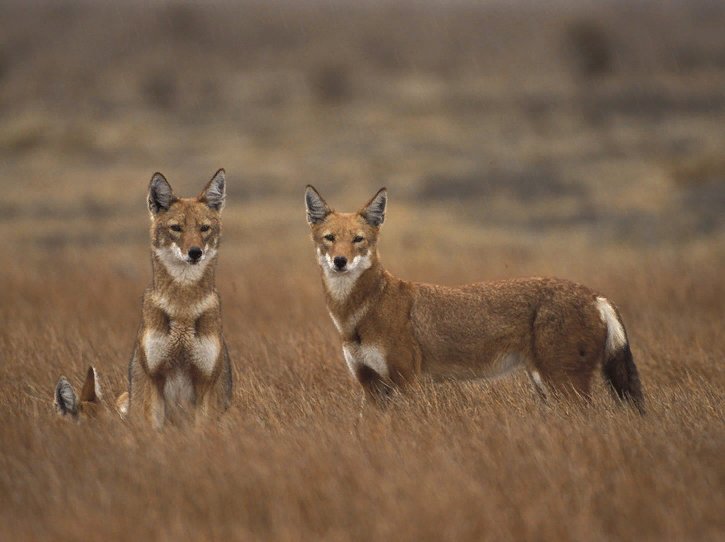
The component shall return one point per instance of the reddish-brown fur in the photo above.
(180, 366)
(394, 331)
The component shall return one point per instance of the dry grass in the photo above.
(460, 461)
(501, 161)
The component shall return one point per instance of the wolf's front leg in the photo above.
(378, 390)
(155, 404)
(211, 395)
(401, 366)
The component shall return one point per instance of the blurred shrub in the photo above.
(184, 22)
(330, 83)
(700, 170)
(701, 180)
(4, 64)
(588, 48)
(520, 182)
(160, 89)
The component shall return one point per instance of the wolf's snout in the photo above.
(195, 254)
(340, 262)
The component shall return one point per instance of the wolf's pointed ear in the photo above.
(374, 211)
(161, 195)
(91, 390)
(317, 209)
(66, 401)
(215, 191)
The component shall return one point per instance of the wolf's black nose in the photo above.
(340, 262)
(195, 253)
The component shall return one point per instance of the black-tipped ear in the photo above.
(66, 401)
(374, 211)
(91, 390)
(317, 209)
(215, 191)
(161, 195)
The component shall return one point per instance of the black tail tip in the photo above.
(622, 375)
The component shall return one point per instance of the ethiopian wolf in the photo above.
(394, 331)
(180, 366)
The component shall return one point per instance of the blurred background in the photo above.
(517, 120)
(582, 139)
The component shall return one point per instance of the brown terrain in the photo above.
(581, 140)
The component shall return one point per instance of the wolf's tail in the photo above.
(619, 368)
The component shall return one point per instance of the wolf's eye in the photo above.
(358, 239)
(175, 227)
(205, 227)
(329, 237)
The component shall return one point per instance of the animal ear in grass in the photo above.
(91, 391)
(66, 401)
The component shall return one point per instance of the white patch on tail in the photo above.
(616, 337)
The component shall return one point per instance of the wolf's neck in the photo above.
(346, 293)
(183, 279)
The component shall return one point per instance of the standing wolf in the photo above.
(393, 330)
(180, 365)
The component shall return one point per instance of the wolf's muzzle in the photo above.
(195, 254)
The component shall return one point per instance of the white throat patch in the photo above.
(179, 268)
(341, 284)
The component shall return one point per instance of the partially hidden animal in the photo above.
(89, 404)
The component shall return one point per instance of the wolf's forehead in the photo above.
(190, 211)
(344, 222)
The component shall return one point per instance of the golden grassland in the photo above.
(289, 460)
(584, 143)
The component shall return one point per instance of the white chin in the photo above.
(189, 261)
(336, 271)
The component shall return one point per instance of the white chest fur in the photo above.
(370, 356)
(181, 343)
